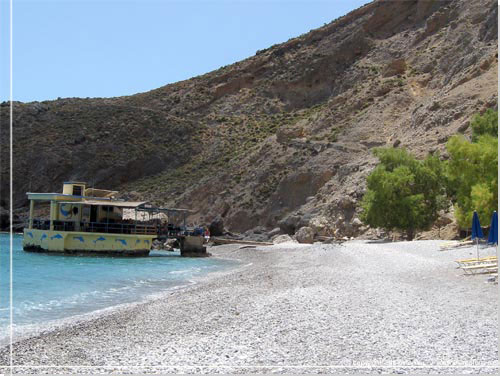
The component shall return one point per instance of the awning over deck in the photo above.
(121, 204)
(164, 210)
(93, 192)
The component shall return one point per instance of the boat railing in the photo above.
(41, 224)
(114, 228)
(64, 226)
(119, 228)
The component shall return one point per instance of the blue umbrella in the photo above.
(476, 227)
(493, 235)
(476, 230)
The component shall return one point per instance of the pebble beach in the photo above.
(357, 307)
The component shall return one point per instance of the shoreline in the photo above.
(27, 332)
(299, 308)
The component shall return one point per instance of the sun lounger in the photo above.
(482, 265)
(481, 258)
(492, 269)
(468, 262)
(455, 244)
(481, 268)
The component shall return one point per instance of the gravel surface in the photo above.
(358, 307)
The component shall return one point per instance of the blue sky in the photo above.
(76, 48)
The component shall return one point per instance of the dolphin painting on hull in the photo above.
(99, 239)
(123, 241)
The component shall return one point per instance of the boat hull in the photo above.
(72, 242)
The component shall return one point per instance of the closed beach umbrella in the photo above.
(493, 235)
(476, 230)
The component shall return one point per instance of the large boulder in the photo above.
(356, 222)
(256, 235)
(283, 239)
(259, 230)
(321, 226)
(216, 227)
(305, 235)
(289, 224)
(273, 232)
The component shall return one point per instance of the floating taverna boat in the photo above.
(91, 221)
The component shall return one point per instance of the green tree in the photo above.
(472, 170)
(403, 193)
(486, 124)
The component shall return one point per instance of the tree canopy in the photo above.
(406, 194)
(486, 124)
(403, 193)
(472, 170)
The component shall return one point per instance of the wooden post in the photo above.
(135, 222)
(53, 212)
(32, 210)
(79, 218)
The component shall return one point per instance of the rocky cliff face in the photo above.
(281, 138)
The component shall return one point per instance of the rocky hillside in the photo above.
(283, 137)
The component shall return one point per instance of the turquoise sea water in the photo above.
(48, 287)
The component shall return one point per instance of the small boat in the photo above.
(87, 221)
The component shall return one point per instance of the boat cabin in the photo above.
(87, 219)
(90, 220)
(84, 209)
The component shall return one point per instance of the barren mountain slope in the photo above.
(283, 136)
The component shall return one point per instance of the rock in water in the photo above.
(170, 244)
(157, 244)
(305, 235)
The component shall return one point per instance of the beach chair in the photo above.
(480, 269)
(456, 244)
(481, 266)
(476, 261)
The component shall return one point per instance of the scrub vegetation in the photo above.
(406, 194)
